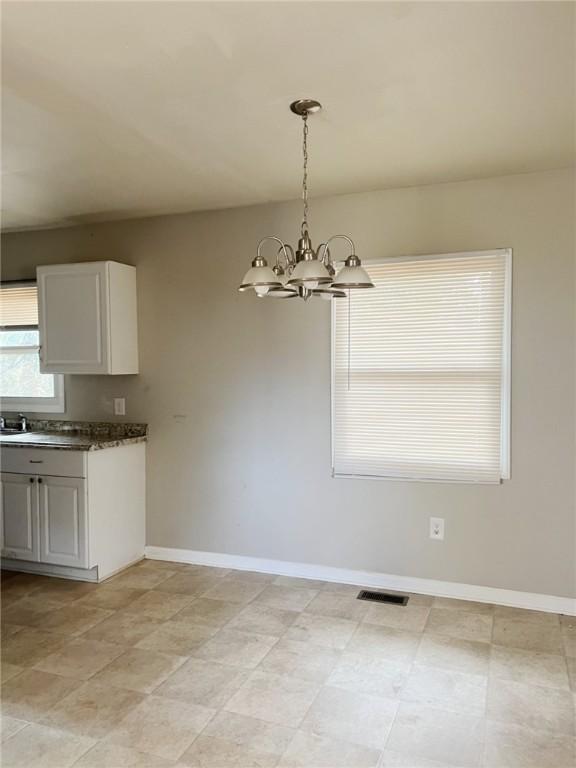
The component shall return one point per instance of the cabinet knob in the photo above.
(31, 479)
(39, 479)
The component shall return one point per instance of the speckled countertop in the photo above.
(75, 435)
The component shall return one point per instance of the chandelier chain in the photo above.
(305, 172)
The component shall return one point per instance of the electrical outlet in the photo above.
(119, 406)
(437, 528)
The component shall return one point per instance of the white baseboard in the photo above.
(508, 597)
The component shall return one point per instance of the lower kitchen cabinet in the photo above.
(19, 506)
(76, 514)
(44, 519)
(63, 524)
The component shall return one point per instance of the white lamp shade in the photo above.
(328, 294)
(259, 277)
(310, 274)
(352, 277)
(282, 293)
(285, 291)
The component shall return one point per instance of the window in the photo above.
(22, 386)
(421, 370)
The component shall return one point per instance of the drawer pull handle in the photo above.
(36, 461)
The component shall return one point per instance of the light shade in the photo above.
(310, 273)
(328, 293)
(352, 277)
(260, 277)
(285, 292)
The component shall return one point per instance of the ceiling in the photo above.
(124, 109)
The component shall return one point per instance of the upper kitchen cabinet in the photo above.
(87, 318)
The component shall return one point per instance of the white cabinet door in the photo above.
(19, 510)
(73, 318)
(63, 524)
(88, 318)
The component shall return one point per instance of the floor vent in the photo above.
(382, 597)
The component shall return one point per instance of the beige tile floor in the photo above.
(174, 665)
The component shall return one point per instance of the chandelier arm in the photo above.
(291, 258)
(326, 256)
(339, 237)
(277, 239)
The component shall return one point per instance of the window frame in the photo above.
(506, 380)
(54, 404)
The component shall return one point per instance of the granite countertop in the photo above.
(75, 435)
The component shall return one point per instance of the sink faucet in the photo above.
(23, 421)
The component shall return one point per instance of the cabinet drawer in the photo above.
(44, 461)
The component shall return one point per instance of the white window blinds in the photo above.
(421, 370)
(18, 305)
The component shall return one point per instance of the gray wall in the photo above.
(236, 390)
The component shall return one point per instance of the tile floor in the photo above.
(175, 665)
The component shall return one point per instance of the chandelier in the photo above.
(305, 272)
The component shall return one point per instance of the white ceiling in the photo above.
(117, 110)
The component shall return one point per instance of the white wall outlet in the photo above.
(119, 406)
(437, 528)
